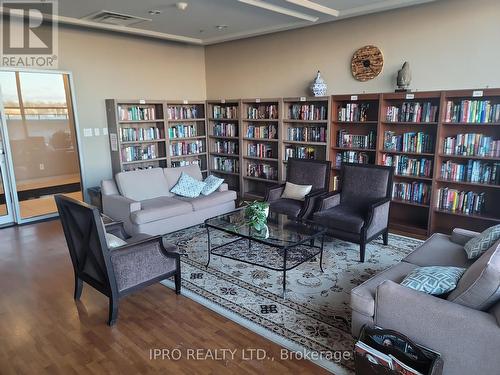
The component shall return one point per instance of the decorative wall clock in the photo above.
(367, 63)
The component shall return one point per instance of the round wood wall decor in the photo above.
(367, 63)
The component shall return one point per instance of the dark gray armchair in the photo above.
(116, 272)
(358, 213)
(301, 172)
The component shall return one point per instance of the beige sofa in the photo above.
(142, 201)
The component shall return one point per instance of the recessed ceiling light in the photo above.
(181, 5)
(154, 12)
(221, 27)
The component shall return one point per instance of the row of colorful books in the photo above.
(182, 131)
(412, 112)
(475, 111)
(135, 153)
(262, 132)
(262, 170)
(226, 147)
(407, 166)
(262, 112)
(224, 164)
(183, 112)
(466, 202)
(474, 171)
(344, 139)
(310, 112)
(353, 112)
(472, 144)
(222, 129)
(414, 192)
(140, 134)
(300, 152)
(260, 150)
(136, 113)
(408, 142)
(352, 157)
(184, 163)
(307, 134)
(186, 148)
(225, 111)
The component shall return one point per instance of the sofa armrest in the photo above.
(311, 203)
(467, 339)
(223, 187)
(462, 236)
(274, 192)
(328, 201)
(118, 207)
(378, 217)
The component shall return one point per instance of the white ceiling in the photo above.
(197, 24)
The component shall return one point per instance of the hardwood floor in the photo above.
(44, 331)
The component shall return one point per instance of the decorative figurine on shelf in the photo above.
(319, 86)
(404, 78)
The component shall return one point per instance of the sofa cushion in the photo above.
(479, 244)
(363, 296)
(439, 250)
(188, 186)
(479, 287)
(143, 184)
(212, 183)
(160, 208)
(207, 201)
(342, 218)
(284, 206)
(435, 280)
(173, 174)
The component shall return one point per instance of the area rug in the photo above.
(314, 319)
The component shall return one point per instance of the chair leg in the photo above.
(177, 281)
(362, 248)
(113, 310)
(78, 288)
(385, 236)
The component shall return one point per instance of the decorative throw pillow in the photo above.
(479, 244)
(188, 186)
(212, 183)
(114, 241)
(433, 280)
(297, 192)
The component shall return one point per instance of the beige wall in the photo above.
(449, 44)
(106, 65)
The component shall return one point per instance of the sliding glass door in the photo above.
(42, 140)
(6, 212)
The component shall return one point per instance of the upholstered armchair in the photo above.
(359, 212)
(300, 172)
(136, 262)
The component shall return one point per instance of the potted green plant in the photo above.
(256, 214)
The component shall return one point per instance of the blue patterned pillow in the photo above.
(433, 280)
(212, 183)
(188, 186)
(482, 242)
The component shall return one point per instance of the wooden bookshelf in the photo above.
(186, 134)
(224, 141)
(137, 134)
(304, 135)
(260, 133)
(353, 134)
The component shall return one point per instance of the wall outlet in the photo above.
(42, 166)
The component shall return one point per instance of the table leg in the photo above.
(321, 253)
(209, 246)
(284, 272)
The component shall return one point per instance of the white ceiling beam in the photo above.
(315, 6)
(281, 10)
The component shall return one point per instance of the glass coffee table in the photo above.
(284, 244)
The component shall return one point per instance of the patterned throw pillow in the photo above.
(114, 241)
(433, 280)
(212, 183)
(188, 186)
(479, 244)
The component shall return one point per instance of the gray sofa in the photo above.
(464, 327)
(142, 201)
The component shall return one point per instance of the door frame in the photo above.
(5, 182)
(8, 160)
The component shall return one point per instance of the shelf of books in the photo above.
(260, 127)
(305, 129)
(353, 135)
(137, 134)
(467, 192)
(224, 141)
(186, 134)
(408, 131)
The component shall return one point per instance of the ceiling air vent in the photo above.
(113, 18)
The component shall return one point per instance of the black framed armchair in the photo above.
(359, 212)
(139, 261)
(301, 172)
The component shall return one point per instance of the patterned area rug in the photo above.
(314, 317)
